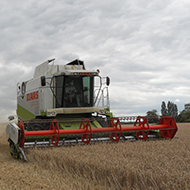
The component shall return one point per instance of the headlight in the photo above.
(51, 113)
(101, 111)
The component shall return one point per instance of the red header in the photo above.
(32, 96)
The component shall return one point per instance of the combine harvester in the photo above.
(60, 105)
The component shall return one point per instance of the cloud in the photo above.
(143, 46)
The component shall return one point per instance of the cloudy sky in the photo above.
(142, 45)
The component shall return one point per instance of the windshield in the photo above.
(76, 91)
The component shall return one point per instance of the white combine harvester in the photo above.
(60, 105)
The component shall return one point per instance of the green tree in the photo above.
(171, 109)
(175, 111)
(164, 110)
(152, 116)
(169, 106)
(184, 116)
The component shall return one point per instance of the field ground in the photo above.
(154, 164)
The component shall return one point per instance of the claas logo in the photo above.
(32, 96)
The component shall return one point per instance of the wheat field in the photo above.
(153, 164)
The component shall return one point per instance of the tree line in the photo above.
(169, 109)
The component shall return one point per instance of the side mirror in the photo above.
(43, 80)
(23, 88)
(107, 81)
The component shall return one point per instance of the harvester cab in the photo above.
(62, 91)
(68, 104)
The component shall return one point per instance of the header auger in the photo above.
(61, 105)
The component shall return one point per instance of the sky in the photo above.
(142, 45)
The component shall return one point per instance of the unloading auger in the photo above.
(60, 105)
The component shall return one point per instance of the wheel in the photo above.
(37, 125)
(13, 150)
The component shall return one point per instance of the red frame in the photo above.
(167, 127)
